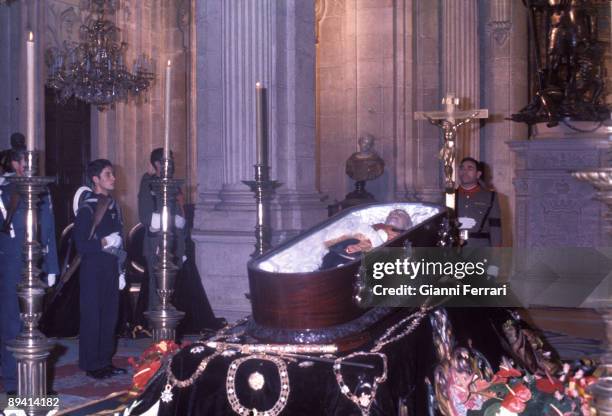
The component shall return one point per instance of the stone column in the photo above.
(241, 43)
(16, 19)
(505, 77)
(10, 52)
(461, 65)
(426, 96)
(399, 122)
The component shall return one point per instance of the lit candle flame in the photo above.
(30, 36)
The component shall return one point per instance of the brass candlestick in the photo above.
(165, 319)
(263, 187)
(31, 347)
(601, 179)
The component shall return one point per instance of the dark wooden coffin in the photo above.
(293, 301)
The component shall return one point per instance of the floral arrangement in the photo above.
(149, 363)
(513, 392)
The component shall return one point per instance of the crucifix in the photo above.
(449, 121)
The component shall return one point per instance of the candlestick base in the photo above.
(31, 347)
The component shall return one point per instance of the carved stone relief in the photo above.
(183, 17)
(552, 208)
(500, 25)
(63, 25)
(563, 160)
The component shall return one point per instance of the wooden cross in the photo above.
(449, 121)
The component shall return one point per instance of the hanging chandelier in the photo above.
(94, 70)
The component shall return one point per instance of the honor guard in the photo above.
(477, 208)
(97, 234)
(12, 236)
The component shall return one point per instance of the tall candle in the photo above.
(262, 125)
(30, 65)
(167, 111)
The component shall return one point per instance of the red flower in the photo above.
(522, 392)
(546, 385)
(513, 403)
(142, 377)
(508, 372)
(150, 361)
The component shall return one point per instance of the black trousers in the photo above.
(99, 300)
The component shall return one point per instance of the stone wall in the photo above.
(364, 79)
(241, 43)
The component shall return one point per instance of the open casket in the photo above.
(394, 350)
(294, 301)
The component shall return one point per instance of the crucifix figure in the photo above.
(449, 121)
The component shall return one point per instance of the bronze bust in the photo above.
(365, 165)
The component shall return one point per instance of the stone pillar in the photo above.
(426, 95)
(399, 123)
(16, 19)
(10, 52)
(505, 77)
(461, 66)
(241, 43)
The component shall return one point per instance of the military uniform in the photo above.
(11, 265)
(148, 204)
(99, 284)
(482, 206)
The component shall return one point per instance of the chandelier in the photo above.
(94, 70)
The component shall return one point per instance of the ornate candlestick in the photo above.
(263, 187)
(165, 319)
(31, 347)
(601, 179)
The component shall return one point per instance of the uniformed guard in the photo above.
(12, 236)
(477, 208)
(97, 234)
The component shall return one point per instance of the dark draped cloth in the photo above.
(314, 390)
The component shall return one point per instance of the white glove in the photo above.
(113, 240)
(155, 222)
(465, 223)
(122, 281)
(493, 270)
(51, 279)
(179, 222)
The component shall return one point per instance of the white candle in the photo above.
(261, 126)
(167, 111)
(30, 65)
